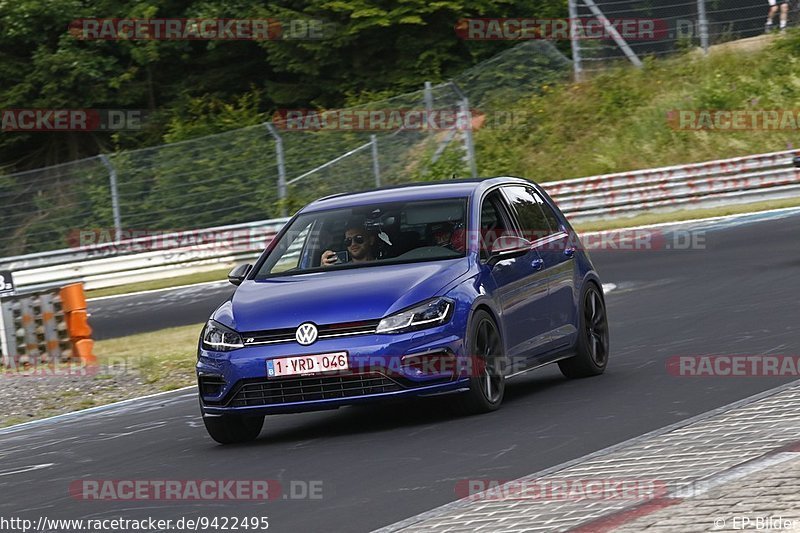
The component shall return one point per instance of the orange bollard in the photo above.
(72, 297)
(73, 303)
(83, 349)
(78, 324)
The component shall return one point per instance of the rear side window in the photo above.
(526, 205)
(549, 214)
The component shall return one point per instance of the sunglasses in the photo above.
(358, 239)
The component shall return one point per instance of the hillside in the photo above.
(618, 120)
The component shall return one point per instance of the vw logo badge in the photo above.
(306, 334)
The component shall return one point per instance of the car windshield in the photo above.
(363, 236)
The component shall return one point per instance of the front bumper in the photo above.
(237, 382)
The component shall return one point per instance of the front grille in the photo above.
(342, 329)
(302, 389)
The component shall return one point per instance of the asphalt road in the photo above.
(380, 464)
(150, 311)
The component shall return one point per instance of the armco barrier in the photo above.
(144, 258)
(737, 180)
(728, 181)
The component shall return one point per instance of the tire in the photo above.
(592, 346)
(487, 384)
(232, 429)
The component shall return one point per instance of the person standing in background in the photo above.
(773, 8)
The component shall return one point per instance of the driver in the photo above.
(359, 242)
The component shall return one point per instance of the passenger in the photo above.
(442, 233)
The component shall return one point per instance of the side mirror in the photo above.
(237, 275)
(506, 247)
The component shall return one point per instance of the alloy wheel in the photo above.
(487, 347)
(596, 326)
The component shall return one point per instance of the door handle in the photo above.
(537, 264)
(569, 252)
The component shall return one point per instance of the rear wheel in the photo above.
(232, 429)
(487, 381)
(592, 345)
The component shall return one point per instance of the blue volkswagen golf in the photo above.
(447, 288)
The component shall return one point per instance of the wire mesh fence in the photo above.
(513, 74)
(657, 29)
(197, 183)
(384, 142)
(265, 171)
(39, 206)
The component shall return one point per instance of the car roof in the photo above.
(455, 188)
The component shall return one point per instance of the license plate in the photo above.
(302, 365)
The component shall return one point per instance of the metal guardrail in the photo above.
(158, 256)
(726, 181)
(738, 180)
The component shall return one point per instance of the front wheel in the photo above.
(232, 429)
(592, 345)
(487, 382)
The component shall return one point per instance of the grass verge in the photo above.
(129, 367)
(164, 359)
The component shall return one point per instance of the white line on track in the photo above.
(26, 469)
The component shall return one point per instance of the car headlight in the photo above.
(425, 315)
(220, 338)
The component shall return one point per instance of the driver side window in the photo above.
(290, 257)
